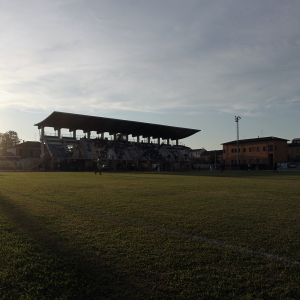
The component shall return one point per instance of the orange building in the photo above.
(294, 150)
(261, 152)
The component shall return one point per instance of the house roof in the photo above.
(29, 144)
(270, 138)
(193, 150)
(212, 152)
(295, 142)
(59, 120)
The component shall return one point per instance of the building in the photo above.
(207, 157)
(28, 153)
(293, 150)
(261, 152)
(27, 150)
(196, 153)
(213, 157)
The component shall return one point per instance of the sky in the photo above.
(194, 64)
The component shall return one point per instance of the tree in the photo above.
(8, 139)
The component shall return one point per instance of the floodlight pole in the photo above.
(237, 118)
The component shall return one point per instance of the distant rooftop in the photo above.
(28, 144)
(255, 140)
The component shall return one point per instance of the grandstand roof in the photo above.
(59, 120)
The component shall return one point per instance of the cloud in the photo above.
(154, 56)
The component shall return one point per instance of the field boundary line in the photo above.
(179, 233)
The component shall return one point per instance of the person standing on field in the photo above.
(158, 167)
(99, 166)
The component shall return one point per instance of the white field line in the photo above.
(199, 238)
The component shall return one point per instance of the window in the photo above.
(235, 150)
(244, 149)
(270, 148)
(257, 149)
(264, 161)
(250, 149)
(257, 160)
(232, 150)
(275, 148)
(264, 148)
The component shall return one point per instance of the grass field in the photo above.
(140, 236)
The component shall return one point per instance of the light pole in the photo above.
(237, 118)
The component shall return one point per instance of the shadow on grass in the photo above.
(42, 265)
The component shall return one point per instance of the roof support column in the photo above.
(138, 139)
(42, 141)
(115, 136)
(168, 141)
(158, 140)
(102, 135)
(177, 142)
(74, 134)
(42, 133)
(58, 132)
(126, 137)
(148, 139)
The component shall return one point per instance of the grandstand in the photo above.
(151, 144)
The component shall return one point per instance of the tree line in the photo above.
(8, 139)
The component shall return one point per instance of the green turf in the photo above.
(54, 251)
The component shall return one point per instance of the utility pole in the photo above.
(237, 118)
